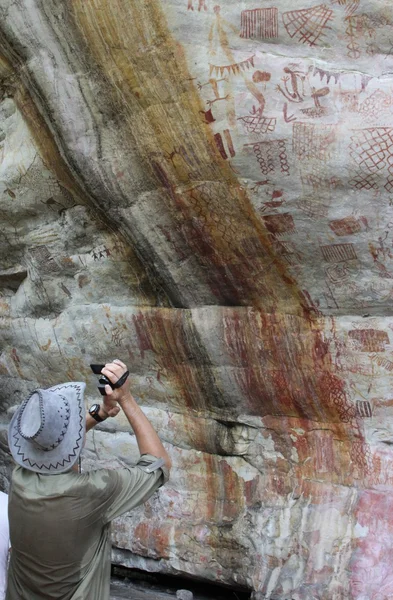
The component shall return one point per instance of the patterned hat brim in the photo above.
(65, 455)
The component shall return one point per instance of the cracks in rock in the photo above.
(218, 438)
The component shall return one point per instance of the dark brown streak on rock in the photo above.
(259, 279)
(42, 132)
(17, 86)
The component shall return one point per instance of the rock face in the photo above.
(206, 192)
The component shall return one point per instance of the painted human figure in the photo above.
(295, 77)
(219, 46)
(201, 4)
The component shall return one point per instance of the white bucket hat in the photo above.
(47, 431)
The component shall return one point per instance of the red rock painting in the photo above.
(338, 252)
(313, 142)
(259, 23)
(233, 69)
(271, 156)
(279, 225)
(308, 25)
(372, 151)
(370, 340)
(346, 226)
(202, 5)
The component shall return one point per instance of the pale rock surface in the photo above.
(205, 191)
(184, 595)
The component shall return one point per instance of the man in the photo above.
(59, 518)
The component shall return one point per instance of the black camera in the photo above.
(103, 380)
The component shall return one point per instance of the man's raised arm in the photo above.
(146, 436)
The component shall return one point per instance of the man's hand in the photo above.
(113, 371)
(110, 407)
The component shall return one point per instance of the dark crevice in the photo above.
(11, 279)
(161, 583)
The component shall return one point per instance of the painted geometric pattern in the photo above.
(372, 150)
(308, 24)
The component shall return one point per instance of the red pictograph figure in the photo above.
(349, 100)
(309, 24)
(208, 115)
(317, 94)
(379, 254)
(14, 355)
(337, 273)
(317, 110)
(257, 123)
(328, 74)
(383, 250)
(220, 144)
(228, 139)
(364, 27)
(224, 65)
(377, 105)
(288, 118)
(232, 69)
(313, 147)
(293, 83)
(350, 5)
(214, 84)
(370, 340)
(324, 452)
(314, 206)
(338, 252)
(337, 397)
(259, 23)
(363, 409)
(313, 141)
(346, 226)
(279, 225)
(271, 155)
(372, 150)
(353, 31)
(201, 4)
(361, 458)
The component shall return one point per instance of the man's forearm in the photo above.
(91, 422)
(146, 436)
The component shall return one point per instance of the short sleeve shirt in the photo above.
(60, 528)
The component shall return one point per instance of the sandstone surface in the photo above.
(205, 191)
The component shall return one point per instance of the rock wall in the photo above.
(205, 191)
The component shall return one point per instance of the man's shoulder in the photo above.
(28, 483)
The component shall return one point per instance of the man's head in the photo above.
(46, 433)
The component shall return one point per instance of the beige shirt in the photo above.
(60, 528)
